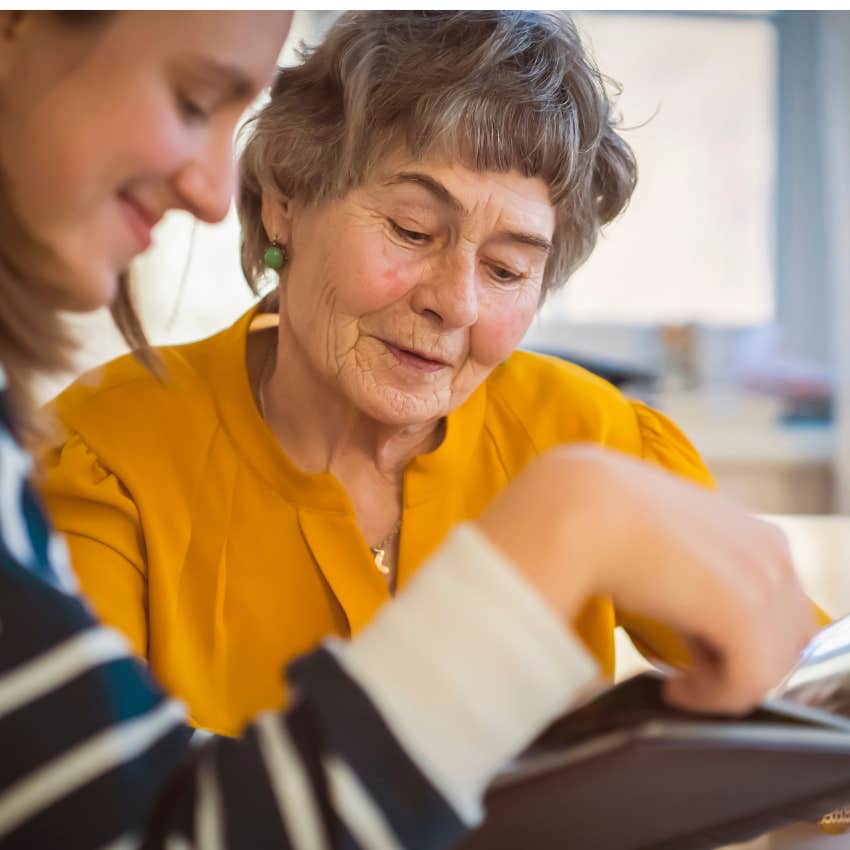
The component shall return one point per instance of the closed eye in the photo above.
(504, 275)
(191, 111)
(413, 236)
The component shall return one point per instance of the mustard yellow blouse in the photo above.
(193, 533)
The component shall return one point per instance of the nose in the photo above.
(206, 182)
(450, 296)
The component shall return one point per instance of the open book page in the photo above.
(821, 679)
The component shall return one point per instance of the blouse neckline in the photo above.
(426, 477)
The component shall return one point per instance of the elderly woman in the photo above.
(419, 184)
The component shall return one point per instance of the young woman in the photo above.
(106, 121)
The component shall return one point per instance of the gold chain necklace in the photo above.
(379, 552)
(264, 376)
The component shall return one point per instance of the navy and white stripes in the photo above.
(93, 755)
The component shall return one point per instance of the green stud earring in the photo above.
(274, 256)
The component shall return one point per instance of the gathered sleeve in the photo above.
(663, 443)
(100, 521)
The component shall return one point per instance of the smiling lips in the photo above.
(140, 220)
(415, 360)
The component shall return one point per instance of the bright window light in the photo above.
(696, 243)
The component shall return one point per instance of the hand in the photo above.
(582, 520)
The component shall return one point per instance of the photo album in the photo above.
(627, 771)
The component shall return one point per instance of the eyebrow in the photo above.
(239, 85)
(530, 239)
(437, 189)
(444, 196)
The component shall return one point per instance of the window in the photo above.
(696, 242)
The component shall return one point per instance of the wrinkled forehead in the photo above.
(456, 182)
(464, 192)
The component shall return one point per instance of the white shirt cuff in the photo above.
(467, 665)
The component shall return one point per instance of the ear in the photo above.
(277, 217)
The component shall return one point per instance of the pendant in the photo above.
(383, 569)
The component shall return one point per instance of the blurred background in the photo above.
(722, 295)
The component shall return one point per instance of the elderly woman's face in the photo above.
(406, 293)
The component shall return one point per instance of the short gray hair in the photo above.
(495, 90)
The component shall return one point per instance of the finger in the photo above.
(709, 691)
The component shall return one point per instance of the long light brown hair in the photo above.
(33, 336)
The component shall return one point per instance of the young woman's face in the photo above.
(106, 124)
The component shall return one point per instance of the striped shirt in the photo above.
(389, 743)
